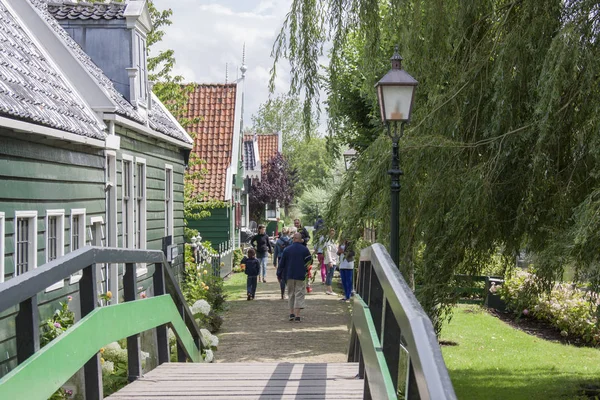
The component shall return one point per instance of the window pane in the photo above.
(75, 233)
(52, 245)
(22, 245)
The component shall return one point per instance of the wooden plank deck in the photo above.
(260, 381)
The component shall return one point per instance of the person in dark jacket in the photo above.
(262, 245)
(283, 242)
(252, 271)
(302, 230)
(293, 265)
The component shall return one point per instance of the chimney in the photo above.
(114, 36)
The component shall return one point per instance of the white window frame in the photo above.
(111, 218)
(169, 200)
(60, 241)
(2, 249)
(127, 210)
(32, 216)
(141, 217)
(111, 199)
(79, 212)
(140, 62)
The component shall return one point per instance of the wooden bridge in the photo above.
(393, 350)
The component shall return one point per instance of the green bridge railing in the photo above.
(392, 338)
(41, 372)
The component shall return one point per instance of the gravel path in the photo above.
(259, 330)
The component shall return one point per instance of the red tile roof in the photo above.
(215, 104)
(268, 147)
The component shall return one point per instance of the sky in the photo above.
(208, 35)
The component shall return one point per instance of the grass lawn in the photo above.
(494, 361)
(235, 286)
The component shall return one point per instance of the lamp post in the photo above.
(349, 156)
(395, 92)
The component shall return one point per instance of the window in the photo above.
(77, 232)
(140, 210)
(25, 241)
(55, 234)
(140, 202)
(127, 201)
(111, 198)
(111, 217)
(140, 61)
(168, 200)
(2, 251)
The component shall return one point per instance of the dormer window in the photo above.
(140, 62)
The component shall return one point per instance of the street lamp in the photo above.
(395, 92)
(349, 156)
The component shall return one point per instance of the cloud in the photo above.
(207, 36)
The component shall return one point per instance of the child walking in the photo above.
(252, 270)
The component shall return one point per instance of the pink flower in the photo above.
(143, 295)
(57, 325)
(69, 298)
(525, 312)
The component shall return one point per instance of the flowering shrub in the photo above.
(113, 361)
(521, 291)
(237, 257)
(62, 319)
(566, 308)
(201, 307)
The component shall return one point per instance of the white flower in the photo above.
(201, 306)
(209, 356)
(208, 339)
(108, 367)
(171, 335)
(114, 352)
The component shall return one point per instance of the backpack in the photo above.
(283, 243)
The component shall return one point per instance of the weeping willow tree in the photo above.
(504, 145)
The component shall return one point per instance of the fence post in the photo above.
(27, 329)
(134, 361)
(88, 295)
(162, 337)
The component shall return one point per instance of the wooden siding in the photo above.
(157, 155)
(40, 175)
(216, 228)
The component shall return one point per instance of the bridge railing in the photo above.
(41, 372)
(392, 338)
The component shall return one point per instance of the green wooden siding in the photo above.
(216, 228)
(157, 155)
(38, 175)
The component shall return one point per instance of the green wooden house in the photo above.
(88, 154)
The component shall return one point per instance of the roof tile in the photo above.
(158, 118)
(32, 89)
(85, 10)
(214, 139)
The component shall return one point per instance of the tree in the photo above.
(503, 151)
(280, 114)
(306, 154)
(277, 184)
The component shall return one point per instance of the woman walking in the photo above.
(261, 243)
(331, 259)
(347, 270)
